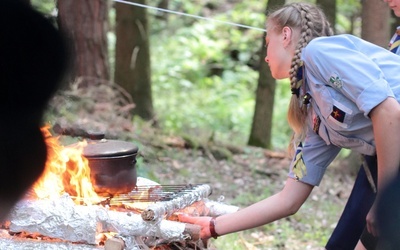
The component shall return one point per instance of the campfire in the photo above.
(63, 210)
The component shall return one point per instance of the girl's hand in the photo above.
(204, 222)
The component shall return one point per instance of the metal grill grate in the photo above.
(155, 193)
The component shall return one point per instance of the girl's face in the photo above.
(394, 5)
(280, 51)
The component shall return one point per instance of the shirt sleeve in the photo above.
(317, 156)
(347, 64)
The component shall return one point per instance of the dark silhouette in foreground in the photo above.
(33, 61)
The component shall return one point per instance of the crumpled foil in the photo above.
(27, 245)
(56, 218)
(217, 208)
(9, 242)
(62, 219)
(130, 224)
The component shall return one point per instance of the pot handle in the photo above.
(96, 135)
(77, 132)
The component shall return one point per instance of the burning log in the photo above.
(63, 219)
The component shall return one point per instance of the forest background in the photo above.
(186, 80)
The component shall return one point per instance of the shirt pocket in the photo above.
(350, 143)
(338, 111)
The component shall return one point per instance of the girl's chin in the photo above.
(280, 77)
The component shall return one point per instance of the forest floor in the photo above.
(250, 175)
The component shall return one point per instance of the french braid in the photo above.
(312, 23)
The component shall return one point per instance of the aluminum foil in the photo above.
(9, 242)
(57, 218)
(217, 208)
(129, 224)
(30, 245)
(62, 219)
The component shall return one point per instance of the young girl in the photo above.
(388, 205)
(395, 41)
(345, 94)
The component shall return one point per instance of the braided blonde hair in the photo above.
(312, 23)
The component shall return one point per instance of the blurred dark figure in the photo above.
(388, 217)
(33, 60)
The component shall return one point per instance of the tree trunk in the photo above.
(375, 26)
(329, 8)
(86, 24)
(261, 128)
(132, 57)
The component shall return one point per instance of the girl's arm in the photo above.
(386, 124)
(285, 203)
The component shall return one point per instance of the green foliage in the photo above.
(348, 16)
(281, 131)
(311, 225)
(142, 171)
(221, 103)
(198, 88)
(47, 7)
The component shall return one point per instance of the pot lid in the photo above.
(105, 148)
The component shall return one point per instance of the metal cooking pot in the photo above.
(112, 165)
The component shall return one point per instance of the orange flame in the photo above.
(66, 171)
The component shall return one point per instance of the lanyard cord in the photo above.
(188, 15)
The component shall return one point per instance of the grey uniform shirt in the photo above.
(346, 77)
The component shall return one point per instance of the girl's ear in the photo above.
(286, 36)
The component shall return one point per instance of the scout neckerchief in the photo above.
(395, 41)
(299, 168)
(301, 83)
